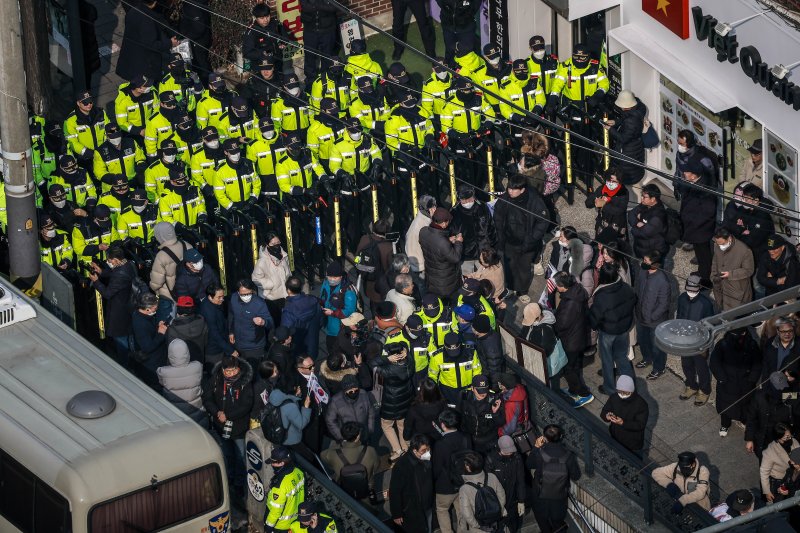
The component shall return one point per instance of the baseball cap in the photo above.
(441, 215)
(141, 81)
(102, 211)
(168, 147)
(176, 59)
(192, 255)
(686, 458)
(185, 301)
(216, 81)
(265, 63)
(519, 65)
(353, 125)
(279, 454)
(408, 100)
(209, 133)
(471, 285)
(398, 72)
(167, 97)
(742, 499)
(112, 131)
(774, 242)
(306, 510)
(430, 305)
(536, 42)
(138, 197)
(756, 147)
(177, 174)
(266, 124)
(56, 190)
(491, 51)
(465, 311)
(45, 220)
(506, 444)
(84, 97)
(480, 383)
(239, 106)
(230, 145)
(292, 139)
(352, 320)
(119, 181)
(462, 83)
(291, 81)
(328, 105)
(364, 82)
(414, 324)
(68, 163)
(439, 65)
(452, 344)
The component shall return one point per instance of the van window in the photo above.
(28, 502)
(161, 505)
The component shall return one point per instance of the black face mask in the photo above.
(580, 62)
(275, 251)
(180, 185)
(104, 224)
(121, 193)
(686, 470)
(464, 95)
(335, 72)
(352, 394)
(646, 266)
(178, 70)
(294, 153)
(521, 76)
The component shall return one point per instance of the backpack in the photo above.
(353, 476)
(674, 226)
(138, 288)
(554, 477)
(272, 424)
(337, 298)
(709, 153)
(488, 511)
(368, 261)
(177, 261)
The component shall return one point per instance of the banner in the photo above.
(674, 14)
(780, 181)
(498, 25)
(350, 30)
(289, 16)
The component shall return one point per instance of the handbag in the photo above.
(649, 136)
(556, 360)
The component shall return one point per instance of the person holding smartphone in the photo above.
(627, 413)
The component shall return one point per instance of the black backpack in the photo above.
(368, 261)
(554, 477)
(674, 226)
(272, 424)
(138, 288)
(488, 511)
(353, 477)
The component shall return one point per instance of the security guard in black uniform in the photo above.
(264, 87)
(265, 37)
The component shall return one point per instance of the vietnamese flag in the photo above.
(674, 14)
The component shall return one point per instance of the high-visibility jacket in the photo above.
(469, 64)
(186, 209)
(85, 132)
(325, 524)
(326, 87)
(370, 115)
(399, 130)
(491, 79)
(203, 164)
(230, 127)
(284, 497)
(422, 351)
(463, 119)
(184, 92)
(292, 173)
(87, 236)
(133, 112)
(577, 84)
(321, 138)
(455, 373)
(265, 154)
(350, 156)
(526, 94)
(208, 110)
(236, 184)
(108, 159)
(137, 225)
(544, 71)
(398, 336)
(114, 203)
(156, 176)
(78, 189)
(43, 161)
(157, 130)
(434, 94)
(292, 115)
(57, 250)
(362, 65)
(438, 326)
(481, 307)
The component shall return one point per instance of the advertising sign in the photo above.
(780, 180)
(289, 16)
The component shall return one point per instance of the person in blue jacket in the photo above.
(303, 313)
(339, 300)
(249, 320)
(219, 343)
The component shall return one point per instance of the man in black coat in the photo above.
(472, 219)
(505, 463)
(626, 133)
(481, 414)
(442, 253)
(627, 413)
(489, 346)
(146, 42)
(778, 266)
(411, 494)
(769, 407)
(572, 327)
(190, 327)
(114, 285)
(520, 216)
(698, 214)
(736, 365)
(747, 222)
(150, 350)
(265, 37)
(452, 442)
(319, 35)
(648, 223)
(195, 25)
(419, 9)
(458, 25)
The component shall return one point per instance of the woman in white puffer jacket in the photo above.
(270, 274)
(181, 381)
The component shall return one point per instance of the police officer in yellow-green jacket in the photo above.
(78, 186)
(297, 170)
(161, 123)
(466, 112)
(360, 63)
(353, 152)
(3, 211)
(238, 122)
(235, 181)
(54, 244)
(118, 155)
(467, 61)
(84, 128)
(469, 294)
(91, 237)
(407, 127)
(182, 82)
(291, 112)
(422, 346)
(186, 137)
(435, 318)
(286, 490)
(157, 174)
(310, 520)
(138, 220)
(118, 198)
(522, 91)
(205, 159)
(134, 105)
(494, 72)
(541, 66)
(324, 131)
(453, 367)
(214, 101)
(47, 145)
(435, 91)
(181, 202)
(579, 81)
(264, 153)
(369, 106)
(333, 83)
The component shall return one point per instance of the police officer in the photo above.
(47, 146)
(138, 220)
(118, 198)
(64, 212)
(264, 38)
(333, 83)
(214, 101)
(523, 91)
(286, 491)
(481, 414)
(186, 137)
(324, 131)
(235, 181)
(77, 185)
(134, 104)
(396, 84)
(493, 74)
(265, 87)
(205, 159)
(238, 122)
(369, 106)
(360, 63)
(84, 128)
(454, 367)
(541, 66)
(290, 111)
(181, 202)
(435, 318)
(157, 174)
(54, 244)
(297, 170)
(91, 237)
(118, 155)
(310, 520)
(161, 123)
(421, 343)
(435, 91)
(469, 294)
(264, 153)
(467, 60)
(579, 81)
(181, 82)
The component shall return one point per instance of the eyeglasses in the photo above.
(306, 367)
(785, 331)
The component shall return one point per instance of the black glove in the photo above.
(251, 201)
(377, 166)
(88, 155)
(341, 174)
(595, 100)
(674, 491)
(202, 218)
(552, 104)
(431, 143)
(677, 508)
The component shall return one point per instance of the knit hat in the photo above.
(625, 384)
(482, 324)
(531, 314)
(506, 444)
(349, 382)
(334, 270)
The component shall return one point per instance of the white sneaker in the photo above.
(538, 269)
(723, 432)
(525, 299)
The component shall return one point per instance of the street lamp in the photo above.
(780, 71)
(724, 28)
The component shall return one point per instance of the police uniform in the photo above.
(44, 158)
(435, 319)
(543, 70)
(118, 198)
(213, 101)
(325, 524)
(422, 346)
(360, 63)
(157, 173)
(238, 122)
(407, 127)
(161, 124)
(369, 106)
(324, 131)
(235, 183)
(264, 88)
(465, 117)
(297, 173)
(181, 82)
(3, 212)
(525, 93)
(435, 92)
(204, 160)
(85, 131)
(58, 250)
(576, 85)
(87, 236)
(77, 185)
(334, 84)
(186, 138)
(133, 225)
(490, 77)
(291, 113)
(187, 207)
(468, 62)
(453, 367)
(125, 158)
(264, 153)
(132, 112)
(286, 493)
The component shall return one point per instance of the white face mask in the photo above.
(151, 313)
(60, 204)
(724, 247)
(139, 209)
(50, 233)
(624, 395)
(268, 135)
(146, 90)
(213, 145)
(169, 158)
(493, 62)
(442, 75)
(356, 136)
(116, 142)
(295, 91)
(235, 158)
(198, 265)
(246, 298)
(611, 185)
(563, 244)
(692, 294)
(468, 205)
(426, 456)
(538, 54)
(682, 149)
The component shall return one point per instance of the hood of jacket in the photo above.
(335, 375)
(518, 394)
(164, 233)
(245, 374)
(547, 318)
(277, 397)
(178, 353)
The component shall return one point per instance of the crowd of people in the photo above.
(398, 362)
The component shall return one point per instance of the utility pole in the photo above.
(23, 238)
(37, 55)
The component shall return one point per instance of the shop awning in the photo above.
(629, 37)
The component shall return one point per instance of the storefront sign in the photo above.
(289, 16)
(780, 181)
(674, 14)
(498, 25)
(727, 48)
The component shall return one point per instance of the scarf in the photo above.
(608, 193)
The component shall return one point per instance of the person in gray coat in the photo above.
(652, 308)
(181, 382)
(351, 404)
(295, 417)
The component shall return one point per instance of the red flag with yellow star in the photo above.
(674, 14)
